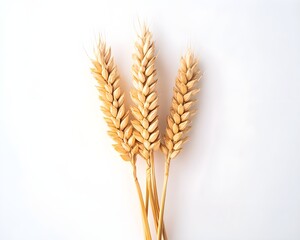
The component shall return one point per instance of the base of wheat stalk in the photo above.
(140, 135)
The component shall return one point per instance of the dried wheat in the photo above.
(145, 112)
(116, 116)
(178, 122)
(112, 97)
(144, 95)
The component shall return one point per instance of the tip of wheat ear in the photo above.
(144, 94)
(105, 72)
(179, 119)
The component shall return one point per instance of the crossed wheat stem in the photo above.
(140, 135)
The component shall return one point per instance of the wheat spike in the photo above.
(179, 119)
(178, 122)
(144, 95)
(116, 116)
(112, 97)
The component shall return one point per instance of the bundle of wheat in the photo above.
(140, 136)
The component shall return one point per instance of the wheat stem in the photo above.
(143, 209)
(152, 200)
(155, 197)
(153, 178)
(163, 199)
(154, 190)
(147, 191)
(150, 191)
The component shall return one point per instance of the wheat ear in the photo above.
(179, 120)
(145, 111)
(113, 107)
(116, 116)
(144, 95)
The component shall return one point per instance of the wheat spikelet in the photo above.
(144, 95)
(112, 97)
(178, 122)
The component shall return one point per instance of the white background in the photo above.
(237, 178)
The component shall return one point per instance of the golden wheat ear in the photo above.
(179, 119)
(116, 116)
(144, 95)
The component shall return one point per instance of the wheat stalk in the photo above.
(116, 115)
(179, 119)
(145, 112)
